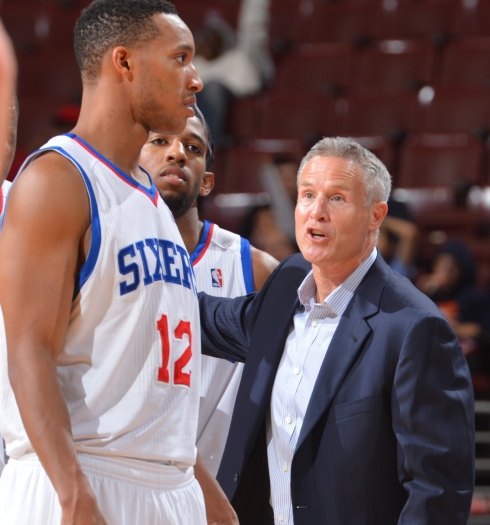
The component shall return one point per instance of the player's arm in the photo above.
(263, 265)
(218, 508)
(41, 249)
(8, 76)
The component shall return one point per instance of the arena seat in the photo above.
(440, 159)
(299, 115)
(373, 112)
(436, 19)
(41, 75)
(36, 28)
(397, 64)
(457, 110)
(338, 22)
(242, 164)
(466, 62)
(323, 68)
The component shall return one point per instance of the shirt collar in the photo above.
(338, 300)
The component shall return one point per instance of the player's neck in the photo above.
(111, 131)
(190, 228)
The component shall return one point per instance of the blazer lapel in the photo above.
(346, 343)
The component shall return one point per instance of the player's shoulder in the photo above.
(47, 185)
(224, 238)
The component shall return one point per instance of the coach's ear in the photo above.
(207, 184)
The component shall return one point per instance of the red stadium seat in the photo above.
(466, 63)
(436, 19)
(350, 23)
(476, 20)
(195, 12)
(397, 64)
(34, 27)
(298, 114)
(323, 68)
(36, 120)
(44, 76)
(243, 164)
(286, 19)
(246, 116)
(376, 113)
(458, 110)
(440, 160)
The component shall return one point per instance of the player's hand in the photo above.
(222, 514)
(218, 508)
(82, 509)
(84, 513)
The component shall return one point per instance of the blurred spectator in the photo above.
(232, 65)
(287, 169)
(262, 230)
(398, 239)
(279, 179)
(451, 284)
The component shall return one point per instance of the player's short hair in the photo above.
(209, 138)
(105, 24)
(376, 178)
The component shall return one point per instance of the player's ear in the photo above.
(122, 60)
(207, 184)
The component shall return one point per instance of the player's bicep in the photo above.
(48, 213)
(263, 265)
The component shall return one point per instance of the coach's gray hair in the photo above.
(377, 180)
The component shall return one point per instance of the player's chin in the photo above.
(172, 124)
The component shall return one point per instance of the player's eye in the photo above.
(160, 141)
(195, 149)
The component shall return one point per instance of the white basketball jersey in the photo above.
(223, 266)
(4, 189)
(130, 369)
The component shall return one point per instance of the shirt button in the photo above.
(289, 420)
(285, 467)
(281, 517)
(295, 370)
(314, 324)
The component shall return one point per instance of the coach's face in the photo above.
(335, 230)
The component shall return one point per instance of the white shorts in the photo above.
(128, 492)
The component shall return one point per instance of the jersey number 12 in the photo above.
(179, 377)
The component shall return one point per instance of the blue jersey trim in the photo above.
(94, 250)
(150, 192)
(201, 245)
(247, 267)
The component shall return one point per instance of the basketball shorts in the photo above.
(128, 492)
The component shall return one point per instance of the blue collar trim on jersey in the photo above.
(151, 192)
(203, 243)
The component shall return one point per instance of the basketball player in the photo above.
(99, 388)
(8, 74)
(224, 263)
(8, 152)
(8, 78)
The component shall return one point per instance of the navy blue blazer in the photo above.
(388, 436)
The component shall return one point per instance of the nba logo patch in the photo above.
(216, 278)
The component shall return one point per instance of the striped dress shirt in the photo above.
(313, 328)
